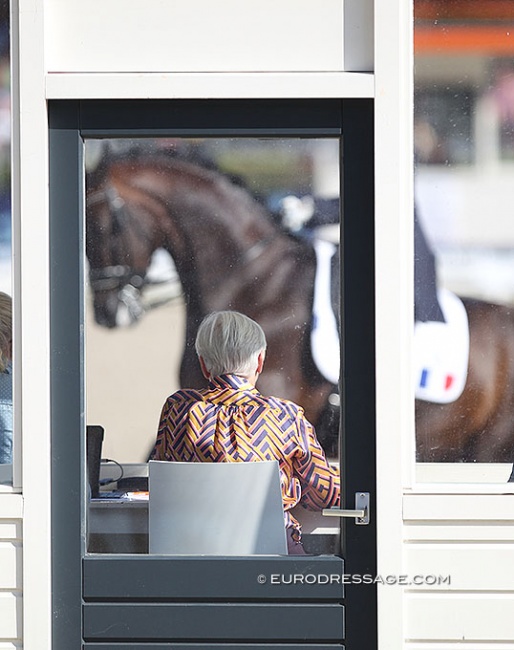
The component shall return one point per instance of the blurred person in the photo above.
(231, 421)
(426, 302)
(6, 406)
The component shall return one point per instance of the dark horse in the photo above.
(479, 425)
(228, 252)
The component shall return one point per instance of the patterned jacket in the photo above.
(230, 421)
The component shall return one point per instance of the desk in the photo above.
(118, 526)
(121, 526)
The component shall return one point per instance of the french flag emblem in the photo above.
(441, 353)
(426, 377)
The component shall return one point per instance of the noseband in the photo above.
(109, 278)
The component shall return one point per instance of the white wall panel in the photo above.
(197, 35)
(359, 34)
(393, 298)
(444, 645)
(202, 85)
(31, 219)
(11, 507)
(459, 507)
(11, 576)
(471, 567)
(469, 537)
(10, 616)
(10, 565)
(9, 529)
(465, 532)
(463, 617)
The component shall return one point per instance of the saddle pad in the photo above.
(324, 333)
(441, 352)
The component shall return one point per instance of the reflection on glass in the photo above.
(6, 402)
(463, 136)
(5, 149)
(177, 228)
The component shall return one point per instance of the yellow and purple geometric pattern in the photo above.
(231, 421)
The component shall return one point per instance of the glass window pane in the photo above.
(463, 137)
(242, 230)
(6, 402)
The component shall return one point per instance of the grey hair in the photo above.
(229, 342)
(5, 330)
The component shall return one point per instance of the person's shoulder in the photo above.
(184, 395)
(284, 405)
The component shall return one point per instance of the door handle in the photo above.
(360, 514)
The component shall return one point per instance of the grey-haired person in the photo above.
(231, 421)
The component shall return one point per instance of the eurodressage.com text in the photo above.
(352, 579)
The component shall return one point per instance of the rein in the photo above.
(256, 250)
(114, 277)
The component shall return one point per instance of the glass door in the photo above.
(231, 207)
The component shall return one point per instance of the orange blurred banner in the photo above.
(445, 39)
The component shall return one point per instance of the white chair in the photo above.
(215, 509)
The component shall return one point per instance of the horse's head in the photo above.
(118, 253)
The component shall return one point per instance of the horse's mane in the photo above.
(198, 164)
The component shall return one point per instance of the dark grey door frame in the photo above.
(205, 601)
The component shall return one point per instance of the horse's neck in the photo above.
(217, 234)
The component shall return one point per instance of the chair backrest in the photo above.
(215, 509)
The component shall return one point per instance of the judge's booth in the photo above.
(196, 159)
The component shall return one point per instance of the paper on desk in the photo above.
(136, 496)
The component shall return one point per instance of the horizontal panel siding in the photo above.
(460, 532)
(471, 567)
(470, 538)
(10, 616)
(458, 507)
(10, 572)
(10, 565)
(445, 645)
(211, 622)
(10, 529)
(459, 617)
(206, 579)
(11, 506)
(210, 646)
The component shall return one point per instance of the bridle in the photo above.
(115, 276)
(128, 281)
(123, 279)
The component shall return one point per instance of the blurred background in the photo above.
(464, 141)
